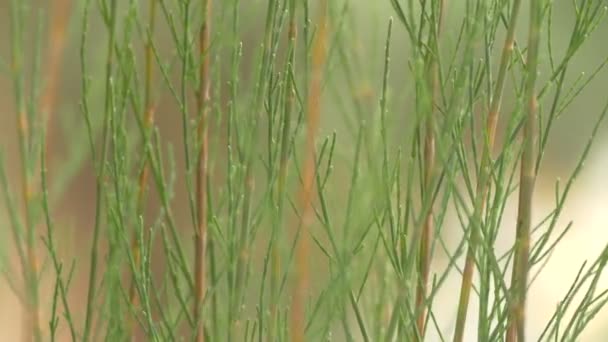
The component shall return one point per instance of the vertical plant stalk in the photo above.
(292, 34)
(302, 247)
(148, 120)
(60, 13)
(483, 183)
(59, 18)
(31, 330)
(200, 236)
(243, 254)
(519, 280)
(424, 257)
(100, 161)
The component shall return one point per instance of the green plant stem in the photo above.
(284, 159)
(101, 169)
(148, 121)
(302, 247)
(429, 168)
(521, 267)
(31, 328)
(483, 182)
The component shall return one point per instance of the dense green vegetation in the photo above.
(275, 171)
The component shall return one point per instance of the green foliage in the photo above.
(424, 129)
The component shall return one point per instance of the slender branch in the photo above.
(284, 158)
(424, 257)
(59, 18)
(144, 171)
(101, 163)
(200, 238)
(521, 267)
(302, 243)
(483, 183)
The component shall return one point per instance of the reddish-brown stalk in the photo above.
(59, 13)
(302, 248)
(200, 237)
(483, 183)
(429, 166)
(521, 263)
(60, 10)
